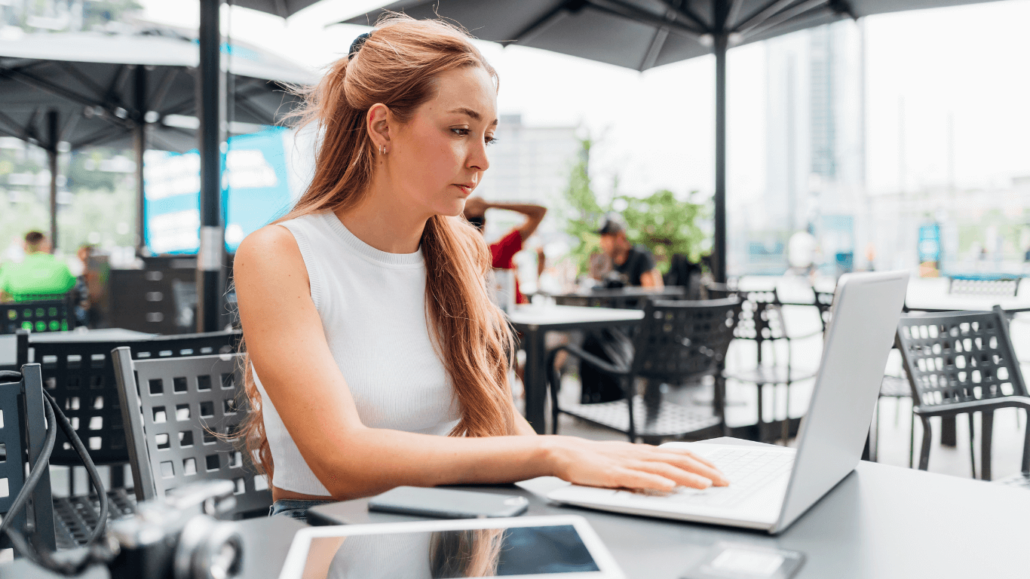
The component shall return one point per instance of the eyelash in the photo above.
(464, 132)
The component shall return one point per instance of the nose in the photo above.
(477, 157)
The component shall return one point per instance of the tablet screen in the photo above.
(502, 552)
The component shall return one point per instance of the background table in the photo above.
(8, 343)
(535, 321)
(880, 522)
(627, 297)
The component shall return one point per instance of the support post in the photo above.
(139, 145)
(211, 109)
(51, 154)
(721, 39)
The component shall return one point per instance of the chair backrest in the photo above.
(80, 375)
(760, 317)
(54, 315)
(183, 416)
(956, 357)
(824, 304)
(22, 432)
(679, 340)
(971, 286)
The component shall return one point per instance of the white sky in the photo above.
(969, 62)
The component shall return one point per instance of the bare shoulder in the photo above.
(271, 250)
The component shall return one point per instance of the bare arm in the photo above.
(534, 215)
(287, 346)
(652, 278)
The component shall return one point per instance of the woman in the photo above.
(377, 358)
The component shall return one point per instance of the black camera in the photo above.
(179, 537)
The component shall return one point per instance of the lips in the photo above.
(466, 188)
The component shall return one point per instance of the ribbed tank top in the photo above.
(373, 310)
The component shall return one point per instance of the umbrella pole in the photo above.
(51, 153)
(719, 249)
(139, 145)
(211, 108)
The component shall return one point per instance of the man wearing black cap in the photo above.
(634, 264)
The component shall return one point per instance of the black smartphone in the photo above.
(447, 504)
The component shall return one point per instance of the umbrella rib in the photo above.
(97, 137)
(683, 9)
(69, 126)
(13, 124)
(732, 14)
(85, 80)
(116, 84)
(655, 49)
(785, 16)
(49, 88)
(163, 88)
(762, 15)
(537, 26)
(634, 14)
(280, 8)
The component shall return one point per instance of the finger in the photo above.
(639, 479)
(692, 455)
(682, 477)
(690, 464)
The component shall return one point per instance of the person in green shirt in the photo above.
(40, 273)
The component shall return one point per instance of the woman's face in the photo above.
(438, 158)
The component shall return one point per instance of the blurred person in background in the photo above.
(632, 265)
(503, 250)
(39, 274)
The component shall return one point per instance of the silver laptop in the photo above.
(770, 487)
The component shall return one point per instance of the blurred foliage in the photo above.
(661, 222)
(82, 171)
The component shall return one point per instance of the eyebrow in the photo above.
(475, 115)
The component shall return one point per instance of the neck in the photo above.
(385, 222)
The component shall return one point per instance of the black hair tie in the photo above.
(357, 44)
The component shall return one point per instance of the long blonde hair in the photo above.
(397, 66)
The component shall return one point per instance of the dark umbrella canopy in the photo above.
(91, 81)
(642, 34)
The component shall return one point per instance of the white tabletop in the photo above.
(548, 315)
(932, 294)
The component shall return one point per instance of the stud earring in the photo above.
(382, 149)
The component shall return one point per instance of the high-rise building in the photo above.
(527, 165)
(815, 143)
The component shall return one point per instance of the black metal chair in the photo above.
(22, 432)
(80, 375)
(183, 416)
(49, 315)
(761, 321)
(677, 341)
(961, 363)
(972, 286)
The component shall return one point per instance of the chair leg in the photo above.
(785, 429)
(924, 453)
(986, 432)
(1026, 445)
(876, 431)
(627, 391)
(972, 452)
(911, 437)
(117, 476)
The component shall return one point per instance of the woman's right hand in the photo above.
(626, 465)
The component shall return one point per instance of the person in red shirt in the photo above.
(505, 249)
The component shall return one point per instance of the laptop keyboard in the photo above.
(747, 470)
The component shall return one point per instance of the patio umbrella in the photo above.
(135, 89)
(643, 34)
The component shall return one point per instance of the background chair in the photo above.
(22, 432)
(182, 416)
(977, 286)
(961, 363)
(677, 341)
(49, 315)
(760, 320)
(80, 376)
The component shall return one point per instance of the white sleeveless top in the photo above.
(373, 310)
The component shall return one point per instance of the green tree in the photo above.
(661, 222)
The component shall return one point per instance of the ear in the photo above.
(378, 121)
